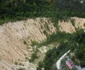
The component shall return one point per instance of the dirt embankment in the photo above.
(16, 37)
(71, 25)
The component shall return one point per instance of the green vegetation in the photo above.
(16, 63)
(82, 63)
(34, 43)
(12, 10)
(73, 22)
(84, 24)
(46, 27)
(21, 69)
(57, 37)
(67, 41)
(25, 42)
(45, 32)
(34, 56)
(51, 57)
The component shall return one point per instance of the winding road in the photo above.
(58, 63)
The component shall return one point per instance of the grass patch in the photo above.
(73, 22)
(34, 56)
(34, 43)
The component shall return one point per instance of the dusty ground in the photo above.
(13, 35)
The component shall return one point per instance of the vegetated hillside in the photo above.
(11, 10)
(67, 41)
(17, 38)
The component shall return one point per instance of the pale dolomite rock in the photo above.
(13, 35)
(66, 27)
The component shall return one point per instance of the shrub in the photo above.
(33, 57)
(82, 63)
(73, 22)
(21, 69)
(16, 63)
(25, 42)
(34, 43)
(45, 32)
(84, 24)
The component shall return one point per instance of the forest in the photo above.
(75, 41)
(12, 10)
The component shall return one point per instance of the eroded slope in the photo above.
(16, 37)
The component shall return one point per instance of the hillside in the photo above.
(16, 38)
(34, 34)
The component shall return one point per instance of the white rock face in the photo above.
(13, 35)
(66, 27)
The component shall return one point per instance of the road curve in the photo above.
(58, 63)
